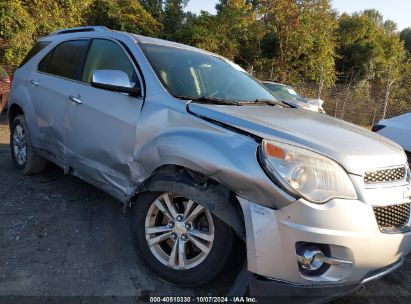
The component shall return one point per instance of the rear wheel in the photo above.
(181, 240)
(24, 157)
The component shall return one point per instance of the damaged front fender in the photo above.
(174, 137)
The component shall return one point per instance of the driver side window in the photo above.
(107, 55)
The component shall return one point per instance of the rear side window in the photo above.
(65, 60)
(35, 49)
(107, 55)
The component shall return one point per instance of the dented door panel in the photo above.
(100, 135)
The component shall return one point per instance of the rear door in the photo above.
(100, 124)
(57, 72)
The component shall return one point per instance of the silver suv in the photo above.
(206, 156)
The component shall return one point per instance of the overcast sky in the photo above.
(396, 10)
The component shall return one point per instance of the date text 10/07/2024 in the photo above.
(187, 299)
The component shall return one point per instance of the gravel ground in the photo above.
(60, 236)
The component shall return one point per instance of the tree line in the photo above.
(291, 41)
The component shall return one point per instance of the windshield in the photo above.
(196, 75)
(283, 92)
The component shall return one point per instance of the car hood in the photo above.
(356, 149)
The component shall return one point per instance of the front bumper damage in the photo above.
(347, 227)
(267, 290)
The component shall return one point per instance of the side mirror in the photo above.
(114, 80)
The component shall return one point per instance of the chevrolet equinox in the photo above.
(204, 155)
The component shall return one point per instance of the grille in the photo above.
(385, 176)
(395, 216)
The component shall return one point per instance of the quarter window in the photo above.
(107, 55)
(33, 52)
(65, 60)
(44, 63)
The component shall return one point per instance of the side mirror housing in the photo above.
(114, 80)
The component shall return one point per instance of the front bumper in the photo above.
(348, 227)
(268, 290)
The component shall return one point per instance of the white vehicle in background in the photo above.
(398, 129)
(289, 96)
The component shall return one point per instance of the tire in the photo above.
(24, 157)
(199, 268)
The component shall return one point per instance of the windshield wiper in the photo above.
(269, 102)
(207, 99)
(289, 105)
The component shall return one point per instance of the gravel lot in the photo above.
(62, 237)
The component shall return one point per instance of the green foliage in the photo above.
(17, 31)
(51, 15)
(122, 15)
(374, 16)
(224, 33)
(154, 8)
(13, 19)
(199, 31)
(173, 16)
(390, 27)
(305, 40)
(23, 21)
(368, 47)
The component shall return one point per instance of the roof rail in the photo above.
(80, 29)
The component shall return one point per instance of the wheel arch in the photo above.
(223, 202)
(20, 103)
(13, 112)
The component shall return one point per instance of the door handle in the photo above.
(76, 99)
(35, 83)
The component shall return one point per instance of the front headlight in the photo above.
(308, 174)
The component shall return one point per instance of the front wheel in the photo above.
(182, 241)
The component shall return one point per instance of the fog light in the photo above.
(315, 259)
(311, 258)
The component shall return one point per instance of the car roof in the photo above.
(77, 32)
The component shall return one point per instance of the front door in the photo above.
(100, 124)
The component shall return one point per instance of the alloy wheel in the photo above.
(20, 145)
(179, 231)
